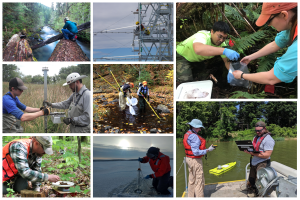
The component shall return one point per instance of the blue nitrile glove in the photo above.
(231, 54)
(147, 177)
(140, 159)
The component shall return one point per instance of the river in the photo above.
(44, 53)
(284, 152)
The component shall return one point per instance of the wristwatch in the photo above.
(242, 76)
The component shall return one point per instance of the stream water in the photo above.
(125, 121)
(44, 53)
(284, 152)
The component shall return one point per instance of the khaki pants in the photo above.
(196, 177)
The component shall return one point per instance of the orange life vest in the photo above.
(256, 143)
(9, 170)
(188, 149)
(296, 32)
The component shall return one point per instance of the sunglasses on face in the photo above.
(271, 18)
(221, 37)
(259, 130)
(151, 156)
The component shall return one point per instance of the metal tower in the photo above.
(160, 35)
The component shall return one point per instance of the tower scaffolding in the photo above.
(160, 26)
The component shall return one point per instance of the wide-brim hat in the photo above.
(269, 9)
(196, 123)
(71, 78)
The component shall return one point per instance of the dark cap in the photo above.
(260, 124)
(17, 83)
(152, 151)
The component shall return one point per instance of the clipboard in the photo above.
(246, 145)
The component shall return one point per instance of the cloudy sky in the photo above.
(34, 68)
(110, 16)
(130, 147)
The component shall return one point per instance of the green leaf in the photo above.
(86, 191)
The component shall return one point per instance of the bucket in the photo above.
(195, 90)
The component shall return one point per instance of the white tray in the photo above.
(203, 86)
(57, 184)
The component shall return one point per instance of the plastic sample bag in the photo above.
(238, 82)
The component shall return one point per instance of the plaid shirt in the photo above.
(29, 169)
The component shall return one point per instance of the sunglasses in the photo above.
(271, 18)
(259, 130)
(151, 156)
(221, 37)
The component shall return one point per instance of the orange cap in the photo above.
(131, 84)
(144, 82)
(273, 8)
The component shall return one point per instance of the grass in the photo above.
(34, 96)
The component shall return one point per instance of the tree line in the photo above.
(11, 71)
(221, 119)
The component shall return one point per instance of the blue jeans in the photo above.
(67, 34)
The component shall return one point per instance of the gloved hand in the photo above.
(42, 108)
(210, 148)
(67, 121)
(147, 177)
(46, 111)
(47, 103)
(231, 54)
(140, 159)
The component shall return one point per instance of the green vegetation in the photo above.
(248, 38)
(34, 95)
(70, 166)
(226, 121)
(30, 17)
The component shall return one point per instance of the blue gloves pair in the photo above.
(140, 159)
(232, 55)
(147, 177)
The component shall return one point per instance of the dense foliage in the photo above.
(226, 120)
(31, 17)
(248, 38)
(11, 71)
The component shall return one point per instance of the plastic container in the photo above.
(199, 87)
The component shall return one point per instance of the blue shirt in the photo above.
(195, 143)
(71, 26)
(285, 68)
(144, 92)
(12, 106)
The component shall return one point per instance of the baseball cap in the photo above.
(46, 141)
(17, 83)
(260, 124)
(273, 8)
(67, 18)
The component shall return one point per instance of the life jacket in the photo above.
(9, 170)
(256, 143)
(296, 33)
(187, 147)
(144, 91)
(160, 166)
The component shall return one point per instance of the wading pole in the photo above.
(118, 85)
(105, 80)
(45, 69)
(150, 106)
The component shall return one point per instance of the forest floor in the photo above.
(108, 117)
(68, 168)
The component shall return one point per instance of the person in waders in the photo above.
(21, 162)
(12, 114)
(124, 92)
(264, 143)
(195, 149)
(283, 17)
(78, 104)
(160, 164)
(143, 93)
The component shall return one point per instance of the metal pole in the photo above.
(45, 69)
(186, 186)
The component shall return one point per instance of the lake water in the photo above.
(108, 175)
(284, 152)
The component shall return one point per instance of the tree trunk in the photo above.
(79, 148)
(17, 49)
(67, 50)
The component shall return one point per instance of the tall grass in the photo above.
(34, 97)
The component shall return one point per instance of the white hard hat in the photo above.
(71, 78)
